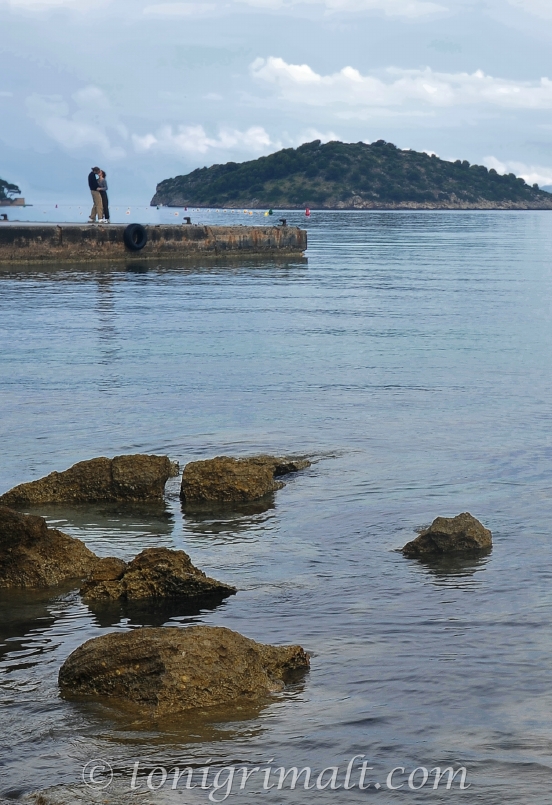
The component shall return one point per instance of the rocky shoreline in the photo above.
(163, 670)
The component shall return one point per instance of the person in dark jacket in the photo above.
(97, 204)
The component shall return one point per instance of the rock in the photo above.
(108, 568)
(154, 574)
(133, 478)
(33, 555)
(460, 534)
(235, 480)
(282, 465)
(170, 670)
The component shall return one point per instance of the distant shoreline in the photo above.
(379, 208)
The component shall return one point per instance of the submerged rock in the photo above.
(155, 573)
(462, 534)
(134, 478)
(281, 465)
(235, 480)
(171, 670)
(33, 555)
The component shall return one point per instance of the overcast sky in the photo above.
(150, 90)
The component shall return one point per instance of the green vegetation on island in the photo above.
(350, 176)
(8, 190)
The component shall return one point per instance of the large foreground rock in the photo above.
(133, 478)
(156, 573)
(33, 555)
(170, 670)
(235, 480)
(462, 534)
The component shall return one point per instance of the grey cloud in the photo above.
(162, 92)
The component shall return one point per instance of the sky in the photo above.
(149, 90)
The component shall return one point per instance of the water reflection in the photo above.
(233, 521)
(452, 569)
(137, 268)
(154, 612)
(23, 612)
(113, 529)
(134, 726)
(34, 623)
(71, 273)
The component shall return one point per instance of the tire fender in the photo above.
(135, 237)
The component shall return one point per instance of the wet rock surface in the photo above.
(123, 478)
(33, 555)
(156, 573)
(281, 465)
(235, 480)
(171, 670)
(462, 534)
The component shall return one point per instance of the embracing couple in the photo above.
(98, 187)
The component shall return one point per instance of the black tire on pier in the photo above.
(135, 237)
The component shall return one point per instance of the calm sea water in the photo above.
(411, 357)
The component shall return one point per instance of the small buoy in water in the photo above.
(176, 214)
(307, 212)
(127, 212)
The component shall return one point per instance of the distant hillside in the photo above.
(350, 176)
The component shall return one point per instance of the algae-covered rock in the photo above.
(462, 534)
(33, 555)
(156, 573)
(171, 670)
(133, 478)
(235, 480)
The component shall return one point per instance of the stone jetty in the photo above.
(28, 242)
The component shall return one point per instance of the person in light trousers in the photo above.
(97, 204)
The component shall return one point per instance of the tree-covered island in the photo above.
(351, 176)
(8, 190)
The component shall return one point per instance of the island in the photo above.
(351, 176)
(7, 193)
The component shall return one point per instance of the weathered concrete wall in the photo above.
(76, 243)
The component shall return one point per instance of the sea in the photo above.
(409, 355)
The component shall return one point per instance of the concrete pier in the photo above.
(32, 243)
